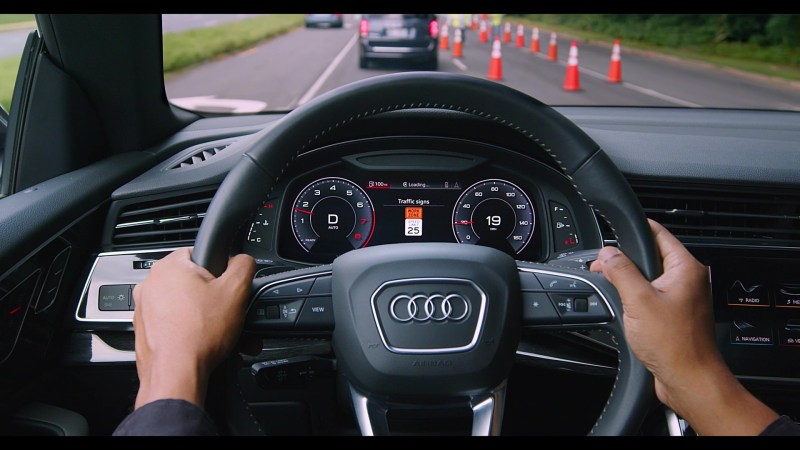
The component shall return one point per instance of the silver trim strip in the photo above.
(160, 221)
(127, 317)
(674, 425)
(430, 351)
(104, 353)
(570, 361)
(487, 412)
(579, 278)
(362, 412)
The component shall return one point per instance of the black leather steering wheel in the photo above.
(467, 359)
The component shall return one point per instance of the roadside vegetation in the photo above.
(767, 44)
(6, 19)
(8, 74)
(188, 48)
(183, 49)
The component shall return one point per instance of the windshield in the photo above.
(250, 63)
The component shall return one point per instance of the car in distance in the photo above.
(327, 20)
(406, 37)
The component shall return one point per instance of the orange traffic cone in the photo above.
(444, 38)
(483, 37)
(520, 35)
(474, 24)
(535, 40)
(458, 50)
(496, 63)
(571, 80)
(552, 52)
(507, 33)
(615, 68)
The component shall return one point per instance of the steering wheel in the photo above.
(439, 323)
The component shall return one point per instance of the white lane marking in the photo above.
(328, 71)
(235, 105)
(633, 87)
(460, 64)
(641, 89)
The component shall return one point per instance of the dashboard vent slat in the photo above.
(171, 221)
(758, 216)
(200, 156)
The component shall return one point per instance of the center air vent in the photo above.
(202, 155)
(168, 222)
(724, 214)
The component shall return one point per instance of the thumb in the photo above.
(623, 274)
(239, 272)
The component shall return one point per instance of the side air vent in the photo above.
(200, 156)
(724, 214)
(166, 222)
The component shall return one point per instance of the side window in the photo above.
(14, 31)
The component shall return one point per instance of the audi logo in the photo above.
(422, 308)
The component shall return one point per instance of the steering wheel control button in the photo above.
(565, 235)
(580, 308)
(317, 314)
(275, 314)
(537, 309)
(322, 286)
(581, 305)
(529, 282)
(555, 283)
(115, 297)
(299, 288)
(428, 315)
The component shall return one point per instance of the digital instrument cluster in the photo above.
(333, 215)
(328, 216)
(336, 203)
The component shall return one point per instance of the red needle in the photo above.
(303, 211)
(464, 222)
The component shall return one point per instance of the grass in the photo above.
(15, 18)
(189, 48)
(8, 75)
(764, 60)
(184, 49)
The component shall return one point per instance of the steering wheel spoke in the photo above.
(487, 409)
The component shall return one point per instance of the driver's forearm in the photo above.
(716, 404)
(183, 380)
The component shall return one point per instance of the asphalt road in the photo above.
(293, 68)
(12, 42)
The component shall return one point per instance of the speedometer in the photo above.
(494, 213)
(332, 216)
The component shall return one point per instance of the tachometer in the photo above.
(332, 215)
(494, 213)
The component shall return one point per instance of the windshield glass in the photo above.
(248, 63)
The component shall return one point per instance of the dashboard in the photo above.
(419, 191)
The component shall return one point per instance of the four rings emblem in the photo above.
(422, 308)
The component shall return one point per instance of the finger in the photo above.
(239, 272)
(240, 269)
(671, 249)
(623, 274)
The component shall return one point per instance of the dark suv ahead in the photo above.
(411, 37)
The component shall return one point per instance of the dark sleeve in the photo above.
(167, 417)
(783, 426)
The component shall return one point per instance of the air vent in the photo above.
(724, 214)
(166, 222)
(200, 156)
